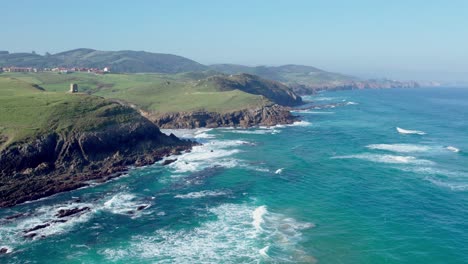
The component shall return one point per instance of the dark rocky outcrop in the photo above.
(55, 162)
(168, 161)
(263, 115)
(42, 226)
(69, 212)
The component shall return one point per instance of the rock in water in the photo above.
(168, 161)
(68, 212)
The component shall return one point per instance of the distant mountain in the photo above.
(119, 61)
(307, 80)
(302, 79)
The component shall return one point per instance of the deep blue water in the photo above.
(343, 186)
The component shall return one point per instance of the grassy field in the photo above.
(26, 111)
(159, 93)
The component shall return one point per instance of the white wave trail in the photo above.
(257, 216)
(200, 194)
(453, 149)
(411, 132)
(404, 148)
(394, 159)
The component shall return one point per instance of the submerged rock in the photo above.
(37, 228)
(168, 161)
(69, 212)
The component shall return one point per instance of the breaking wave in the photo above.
(410, 132)
(404, 148)
(240, 233)
(393, 159)
(200, 194)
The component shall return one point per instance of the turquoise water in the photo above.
(343, 186)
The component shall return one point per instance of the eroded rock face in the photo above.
(55, 163)
(265, 116)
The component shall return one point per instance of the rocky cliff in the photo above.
(269, 115)
(62, 161)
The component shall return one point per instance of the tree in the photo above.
(47, 54)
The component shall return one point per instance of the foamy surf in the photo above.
(312, 112)
(393, 159)
(212, 153)
(279, 171)
(403, 148)
(257, 216)
(410, 132)
(452, 185)
(240, 233)
(200, 194)
(125, 204)
(453, 149)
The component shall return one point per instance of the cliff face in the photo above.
(252, 84)
(56, 162)
(265, 115)
(354, 85)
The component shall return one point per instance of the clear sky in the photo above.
(409, 39)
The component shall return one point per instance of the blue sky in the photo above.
(409, 39)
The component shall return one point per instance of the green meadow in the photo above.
(157, 93)
(26, 112)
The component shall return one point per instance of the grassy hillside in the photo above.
(289, 74)
(151, 92)
(119, 61)
(26, 112)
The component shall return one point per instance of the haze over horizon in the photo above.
(421, 40)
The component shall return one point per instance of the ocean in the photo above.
(371, 176)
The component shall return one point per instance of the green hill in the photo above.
(292, 75)
(52, 142)
(27, 112)
(164, 93)
(119, 61)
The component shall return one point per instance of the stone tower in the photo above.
(73, 88)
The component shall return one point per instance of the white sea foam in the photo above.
(189, 133)
(253, 131)
(279, 171)
(351, 103)
(264, 252)
(322, 98)
(200, 194)
(387, 159)
(411, 132)
(404, 148)
(240, 233)
(453, 149)
(312, 112)
(8, 249)
(452, 185)
(11, 232)
(301, 123)
(212, 153)
(125, 204)
(257, 216)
